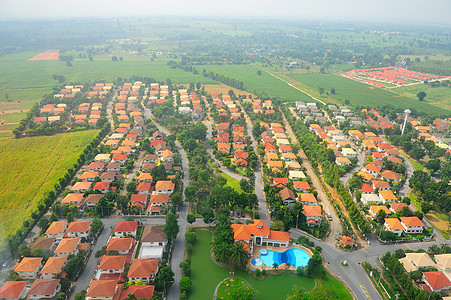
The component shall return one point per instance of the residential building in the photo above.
(102, 290)
(28, 267)
(13, 290)
(53, 267)
(112, 264)
(67, 246)
(143, 269)
(436, 281)
(56, 229)
(412, 225)
(78, 230)
(394, 225)
(313, 214)
(122, 245)
(44, 289)
(126, 228)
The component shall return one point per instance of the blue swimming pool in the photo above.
(294, 256)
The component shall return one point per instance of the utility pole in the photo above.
(407, 112)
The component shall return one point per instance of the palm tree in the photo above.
(222, 252)
(238, 256)
(275, 266)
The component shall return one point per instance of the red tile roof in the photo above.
(140, 292)
(437, 280)
(12, 289)
(126, 226)
(42, 287)
(143, 267)
(102, 288)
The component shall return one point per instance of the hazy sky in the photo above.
(412, 11)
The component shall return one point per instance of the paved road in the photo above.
(262, 207)
(360, 161)
(335, 226)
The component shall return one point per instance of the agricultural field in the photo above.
(30, 168)
(437, 96)
(263, 85)
(361, 94)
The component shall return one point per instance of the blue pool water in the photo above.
(294, 256)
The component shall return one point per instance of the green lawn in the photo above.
(438, 96)
(232, 182)
(361, 94)
(206, 275)
(30, 167)
(263, 85)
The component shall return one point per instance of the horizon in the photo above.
(401, 12)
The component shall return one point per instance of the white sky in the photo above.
(412, 11)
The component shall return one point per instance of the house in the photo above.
(156, 201)
(414, 261)
(301, 186)
(280, 181)
(13, 290)
(443, 261)
(44, 289)
(154, 242)
(387, 196)
(366, 189)
(120, 158)
(167, 156)
(387, 175)
(160, 148)
(96, 167)
(28, 267)
(381, 185)
(67, 246)
(112, 264)
(113, 167)
(164, 187)
(296, 175)
(91, 200)
(44, 243)
(102, 187)
(108, 177)
(313, 214)
(346, 241)
(370, 199)
(146, 177)
(150, 158)
(288, 156)
(53, 267)
(89, 176)
(275, 165)
(259, 234)
(143, 269)
(375, 209)
(126, 228)
(56, 229)
(158, 135)
(103, 158)
(102, 290)
(144, 188)
(436, 281)
(81, 187)
(372, 169)
(412, 225)
(147, 167)
(394, 225)
(121, 245)
(73, 199)
(293, 165)
(349, 153)
(342, 161)
(396, 207)
(307, 199)
(78, 230)
(287, 195)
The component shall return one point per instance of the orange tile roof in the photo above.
(42, 287)
(279, 235)
(72, 198)
(388, 195)
(437, 280)
(119, 244)
(412, 221)
(54, 265)
(57, 227)
(347, 240)
(377, 208)
(244, 232)
(67, 245)
(373, 168)
(112, 262)
(126, 226)
(143, 267)
(301, 185)
(78, 227)
(28, 264)
(394, 224)
(312, 211)
(307, 197)
(102, 289)
(12, 289)
(164, 185)
(140, 292)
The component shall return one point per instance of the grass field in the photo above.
(30, 168)
(26, 80)
(263, 85)
(232, 182)
(206, 275)
(437, 96)
(362, 94)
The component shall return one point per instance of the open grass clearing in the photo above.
(437, 96)
(206, 275)
(361, 94)
(30, 168)
(232, 182)
(12, 117)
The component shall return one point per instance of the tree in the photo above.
(380, 217)
(191, 218)
(320, 292)
(7, 96)
(190, 237)
(242, 292)
(81, 295)
(421, 95)
(165, 277)
(433, 165)
(298, 293)
(332, 91)
(177, 199)
(114, 58)
(238, 255)
(96, 226)
(321, 90)
(185, 284)
(259, 72)
(159, 173)
(121, 58)
(275, 266)
(171, 228)
(208, 216)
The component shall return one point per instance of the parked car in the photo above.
(243, 215)
(329, 217)
(238, 214)
(231, 213)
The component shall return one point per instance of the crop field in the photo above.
(262, 85)
(30, 167)
(361, 94)
(50, 54)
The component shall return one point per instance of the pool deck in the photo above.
(276, 249)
